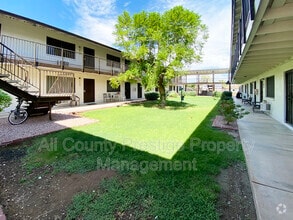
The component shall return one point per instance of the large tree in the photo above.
(159, 46)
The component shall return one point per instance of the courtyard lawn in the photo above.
(146, 127)
(167, 160)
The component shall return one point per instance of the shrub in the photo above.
(226, 95)
(5, 100)
(230, 111)
(217, 94)
(173, 94)
(151, 95)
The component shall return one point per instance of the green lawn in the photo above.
(135, 140)
(147, 128)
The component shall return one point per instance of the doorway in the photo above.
(88, 58)
(289, 97)
(89, 90)
(127, 90)
(261, 91)
(139, 91)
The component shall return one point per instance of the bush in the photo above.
(151, 95)
(217, 94)
(230, 111)
(226, 95)
(173, 94)
(5, 100)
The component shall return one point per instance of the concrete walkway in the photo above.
(268, 147)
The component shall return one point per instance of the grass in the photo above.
(128, 137)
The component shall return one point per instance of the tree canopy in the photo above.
(159, 46)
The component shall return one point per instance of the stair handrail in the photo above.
(16, 60)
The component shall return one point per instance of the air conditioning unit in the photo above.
(265, 107)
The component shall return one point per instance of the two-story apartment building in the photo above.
(262, 54)
(54, 62)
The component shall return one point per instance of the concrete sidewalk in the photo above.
(268, 148)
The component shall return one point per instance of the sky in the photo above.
(95, 20)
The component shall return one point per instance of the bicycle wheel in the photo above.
(16, 118)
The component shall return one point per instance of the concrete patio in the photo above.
(268, 148)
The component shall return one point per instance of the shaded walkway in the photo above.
(268, 147)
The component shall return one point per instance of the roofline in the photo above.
(54, 28)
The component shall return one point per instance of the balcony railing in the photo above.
(56, 57)
(23, 75)
(247, 15)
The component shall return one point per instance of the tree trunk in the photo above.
(162, 91)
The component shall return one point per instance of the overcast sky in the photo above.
(95, 19)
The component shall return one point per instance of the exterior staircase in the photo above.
(22, 79)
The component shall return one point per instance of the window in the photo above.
(270, 86)
(54, 47)
(246, 88)
(110, 89)
(56, 84)
(113, 61)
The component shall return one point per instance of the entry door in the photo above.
(261, 91)
(89, 90)
(254, 88)
(289, 97)
(139, 90)
(88, 58)
(127, 90)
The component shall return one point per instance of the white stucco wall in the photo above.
(278, 103)
(36, 34)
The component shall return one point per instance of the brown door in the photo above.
(127, 90)
(89, 90)
(139, 90)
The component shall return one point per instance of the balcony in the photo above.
(59, 58)
(261, 37)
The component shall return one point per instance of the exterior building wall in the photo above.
(26, 31)
(278, 103)
(30, 40)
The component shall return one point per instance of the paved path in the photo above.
(268, 147)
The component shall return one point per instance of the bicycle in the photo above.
(18, 115)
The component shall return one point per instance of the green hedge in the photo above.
(151, 95)
(226, 95)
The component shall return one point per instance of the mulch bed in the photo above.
(219, 122)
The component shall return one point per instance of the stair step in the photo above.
(23, 87)
(12, 81)
(4, 75)
(33, 91)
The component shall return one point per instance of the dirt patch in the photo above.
(235, 200)
(219, 122)
(40, 194)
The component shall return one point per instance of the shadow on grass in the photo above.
(147, 191)
(170, 105)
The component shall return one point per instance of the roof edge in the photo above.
(55, 28)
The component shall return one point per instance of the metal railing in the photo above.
(56, 57)
(247, 15)
(24, 75)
